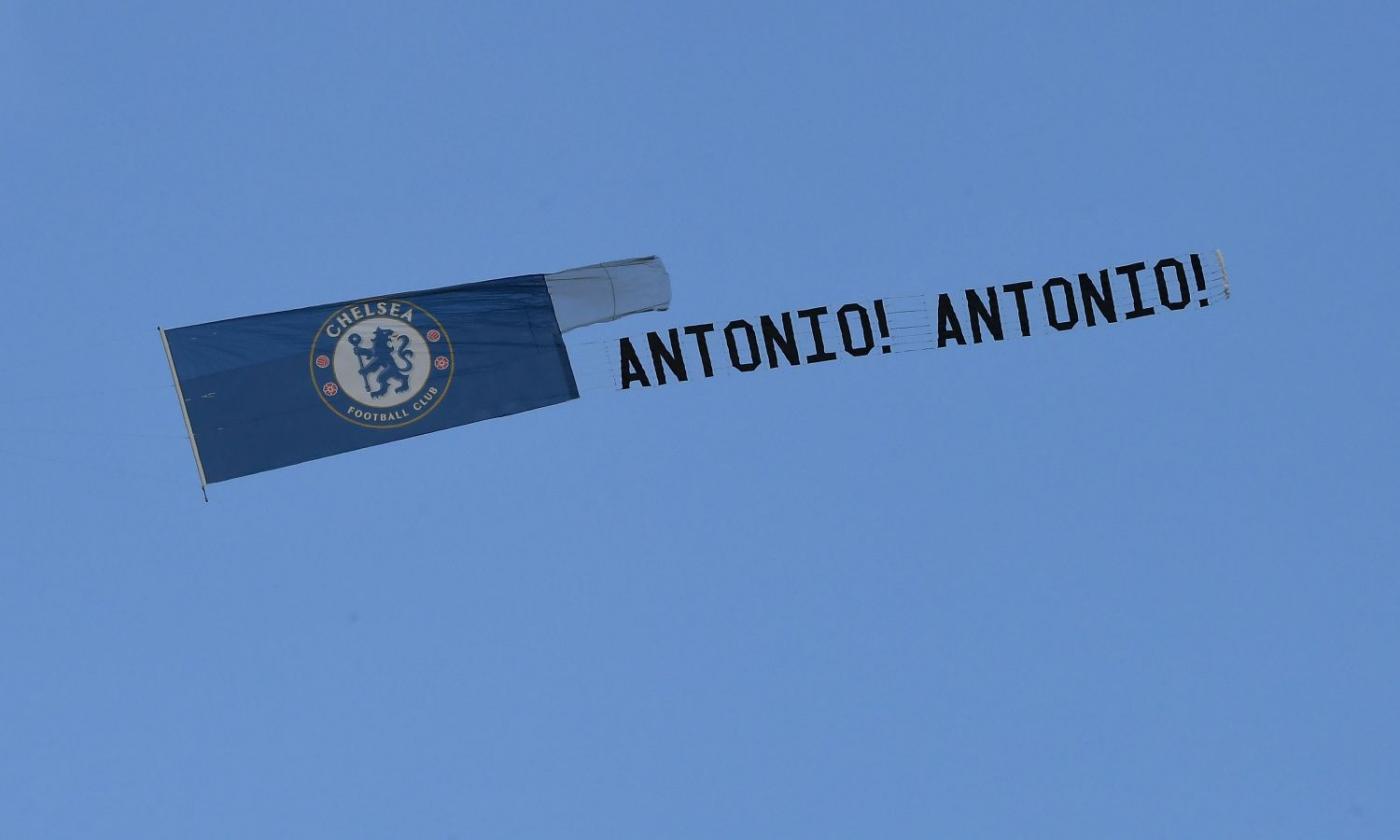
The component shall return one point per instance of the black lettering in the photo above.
(698, 331)
(988, 313)
(1130, 271)
(948, 326)
(632, 370)
(671, 356)
(814, 316)
(774, 341)
(1052, 312)
(1019, 290)
(866, 332)
(754, 360)
(883, 323)
(1182, 284)
(1100, 297)
(1204, 299)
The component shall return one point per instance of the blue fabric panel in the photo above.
(266, 391)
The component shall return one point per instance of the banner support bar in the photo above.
(1224, 275)
(180, 395)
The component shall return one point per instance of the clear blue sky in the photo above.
(1139, 582)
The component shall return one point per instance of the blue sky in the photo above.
(1130, 582)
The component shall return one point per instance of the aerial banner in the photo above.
(872, 328)
(267, 391)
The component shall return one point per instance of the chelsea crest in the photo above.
(381, 364)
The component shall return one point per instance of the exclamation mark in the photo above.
(1200, 279)
(883, 324)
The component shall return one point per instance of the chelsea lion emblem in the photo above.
(381, 364)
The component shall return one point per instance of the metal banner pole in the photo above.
(1224, 275)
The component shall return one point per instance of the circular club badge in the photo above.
(381, 364)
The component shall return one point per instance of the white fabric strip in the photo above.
(595, 294)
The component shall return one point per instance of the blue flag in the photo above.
(267, 391)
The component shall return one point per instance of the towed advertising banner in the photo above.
(875, 327)
(266, 391)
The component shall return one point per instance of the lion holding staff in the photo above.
(382, 358)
